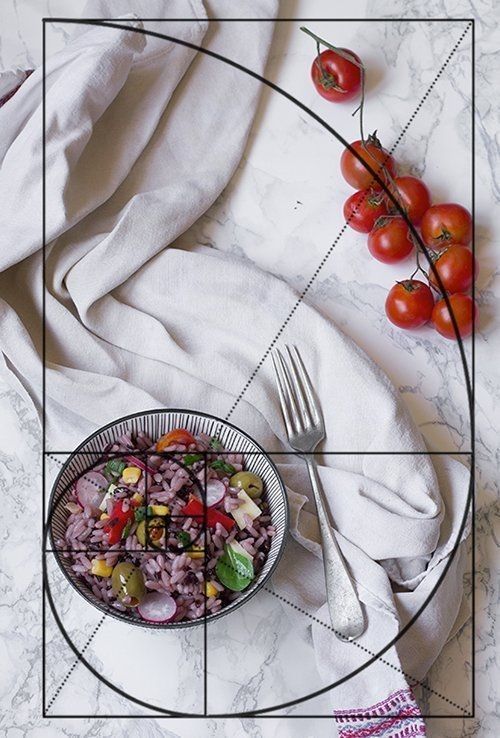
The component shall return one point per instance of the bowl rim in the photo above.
(204, 619)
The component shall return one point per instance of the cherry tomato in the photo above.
(355, 173)
(415, 197)
(362, 209)
(390, 241)
(443, 225)
(463, 308)
(177, 436)
(336, 78)
(457, 268)
(409, 304)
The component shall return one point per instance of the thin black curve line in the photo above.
(357, 156)
(275, 594)
(62, 465)
(376, 657)
(79, 654)
(315, 116)
(473, 361)
(412, 229)
(339, 235)
(75, 663)
(366, 650)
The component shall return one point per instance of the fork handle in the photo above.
(345, 609)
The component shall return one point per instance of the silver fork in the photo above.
(305, 429)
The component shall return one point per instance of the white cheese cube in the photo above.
(247, 507)
(109, 494)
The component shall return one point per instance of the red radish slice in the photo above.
(216, 491)
(140, 464)
(157, 607)
(90, 489)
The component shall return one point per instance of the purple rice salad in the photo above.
(148, 538)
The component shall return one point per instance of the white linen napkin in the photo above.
(142, 136)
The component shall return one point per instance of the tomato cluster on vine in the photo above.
(445, 229)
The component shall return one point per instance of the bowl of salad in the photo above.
(168, 518)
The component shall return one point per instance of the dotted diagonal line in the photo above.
(266, 354)
(432, 85)
(76, 662)
(341, 232)
(410, 678)
(92, 635)
(366, 650)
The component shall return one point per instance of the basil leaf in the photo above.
(215, 444)
(140, 514)
(220, 465)
(190, 459)
(115, 467)
(184, 538)
(234, 570)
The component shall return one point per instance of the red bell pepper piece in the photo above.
(118, 519)
(179, 435)
(194, 509)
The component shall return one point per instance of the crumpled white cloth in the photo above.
(141, 137)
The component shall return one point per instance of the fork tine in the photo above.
(306, 385)
(299, 394)
(282, 396)
(289, 395)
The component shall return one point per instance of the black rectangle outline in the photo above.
(46, 20)
(270, 452)
(277, 715)
(44, 349)
(268, 20)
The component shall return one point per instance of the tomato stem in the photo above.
(341, 52)
(326, 79)
(417, 259)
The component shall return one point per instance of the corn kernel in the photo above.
(159, 510)
(211, 590)
(104, 516)
(100, 568)
(137, 499)
(196, 552)
(131, 475)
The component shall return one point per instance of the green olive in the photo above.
(250, 482)
(128, 580)
(156, 528)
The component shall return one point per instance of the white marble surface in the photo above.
(288, 184)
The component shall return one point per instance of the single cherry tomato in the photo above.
(174, 437)
(457, 268)
(409, 304)
(362, 209)
(443, 225)
(415, 197)
(354, 171)
(463, 308)
(390, 240)
(336, 78)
